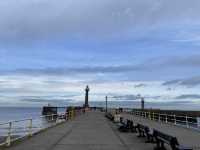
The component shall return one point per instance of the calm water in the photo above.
(18, 113)
(15, 113)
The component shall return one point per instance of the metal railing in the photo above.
(185, 121)
(18, 129)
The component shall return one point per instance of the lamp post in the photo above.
(142, 101)
(106, 104)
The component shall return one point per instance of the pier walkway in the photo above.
(184, 135)
(92, 131)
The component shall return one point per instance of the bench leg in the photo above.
(159, 145)
(140, 133)
(162, 146)
(149, 139)
(143, 135)
(133, 130)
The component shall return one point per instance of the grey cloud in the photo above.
(133, 97)
(55, 100)
(188, 96)
(40, 19)
(172, 82)
(140, 85)
(190, 82)
(147, 66)
(80, 70)
(125, 97)
(189, 61)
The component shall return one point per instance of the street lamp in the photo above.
(106, 104)
(142, 101)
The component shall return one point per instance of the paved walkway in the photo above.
(91, 131)
(188, 137)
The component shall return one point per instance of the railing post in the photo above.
(72, 114)
(187, 123)
(66, 116)
(30, 126)
(57, 120)
(153, 116)
(149, 115)
(166, 118)
(8, 139)
(159, 117)
(175, 119)
(145, 114)
(52, 117)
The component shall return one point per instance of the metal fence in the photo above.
(185, 121)
(18, 129)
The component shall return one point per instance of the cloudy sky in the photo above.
(50, 50)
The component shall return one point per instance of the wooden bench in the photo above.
(162, 138)
(127, 126)
(133, 128)
(109, 116)
(144, 131)
(123, 126)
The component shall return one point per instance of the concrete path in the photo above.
(188, 137)
(91, 131)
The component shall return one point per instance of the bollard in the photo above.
(30, 127)
(159, 117)
(8, 139)
(72, 114)
(153, 116)
(149, 115)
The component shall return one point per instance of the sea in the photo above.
(19, 117)
(18, 113)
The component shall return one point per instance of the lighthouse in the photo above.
(86, 105)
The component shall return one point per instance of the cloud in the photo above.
(156, 64)
(42, 19)
(189, 82)
(188, 96)
(184, 61)
(125, 97)
(77, 70)
(46, 101)
(140, 85)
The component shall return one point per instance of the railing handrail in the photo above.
(21, 120)
(162, 114)
(187, 121)
(29, 127)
